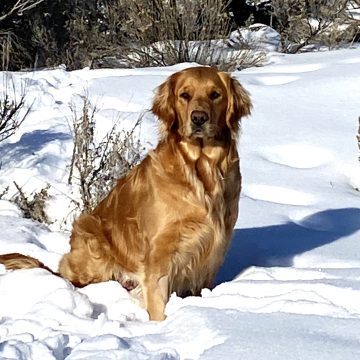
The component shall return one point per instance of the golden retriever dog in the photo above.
(166, 225)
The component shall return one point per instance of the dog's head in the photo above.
(200, 102)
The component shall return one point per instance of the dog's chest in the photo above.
(207, 193)
(211, 186)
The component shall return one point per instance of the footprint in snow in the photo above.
(354, 60)
(295, 68)
(274, 80)
(300, 156)
(278, 195)
(283, 74)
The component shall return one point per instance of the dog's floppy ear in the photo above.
(164, 105)
(239, 102)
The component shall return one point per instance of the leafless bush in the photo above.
(85, 43)
(95, 166)
(164, 31)
(15, 51)
(13, 110)
(12, 51)
(132, 32)
(312, 22)
(34, 207)
(93, 31)
(161, 33)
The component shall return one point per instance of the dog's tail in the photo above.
(16, 261)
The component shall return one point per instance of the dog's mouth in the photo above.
(203, 131)
(197, 132)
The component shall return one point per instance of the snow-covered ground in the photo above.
(290, 285)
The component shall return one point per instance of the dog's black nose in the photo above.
(199, 117)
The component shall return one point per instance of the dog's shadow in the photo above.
(277, 245)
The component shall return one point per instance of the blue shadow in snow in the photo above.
(30, 143)
(277, 245)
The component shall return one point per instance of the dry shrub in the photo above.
(95, 166)
(93, 31)
(311, 22)
(13, 110)
(13, 54)
(34, 207)
(15, 48)
(129, 32)
(162, 33)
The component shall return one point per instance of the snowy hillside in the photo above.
(290, 285)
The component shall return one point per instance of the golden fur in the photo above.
(166, 226)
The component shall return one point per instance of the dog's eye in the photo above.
(185, 96)
(214, 95)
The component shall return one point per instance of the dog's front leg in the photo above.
(156, 295)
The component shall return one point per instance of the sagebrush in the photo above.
(130, 32)
(96, 165)
(304, 23)
(13, 108)
(33, 206)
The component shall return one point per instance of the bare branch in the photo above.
(11, 111)
(21, 6)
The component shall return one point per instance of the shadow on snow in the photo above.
(277, 245)
(30, 143)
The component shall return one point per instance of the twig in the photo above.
(21, 6)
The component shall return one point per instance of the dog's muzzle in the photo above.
(198, 121)
(198, 118)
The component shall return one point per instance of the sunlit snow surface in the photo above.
(290, 285)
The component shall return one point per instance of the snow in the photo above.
(257, 36)
(290, 284)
